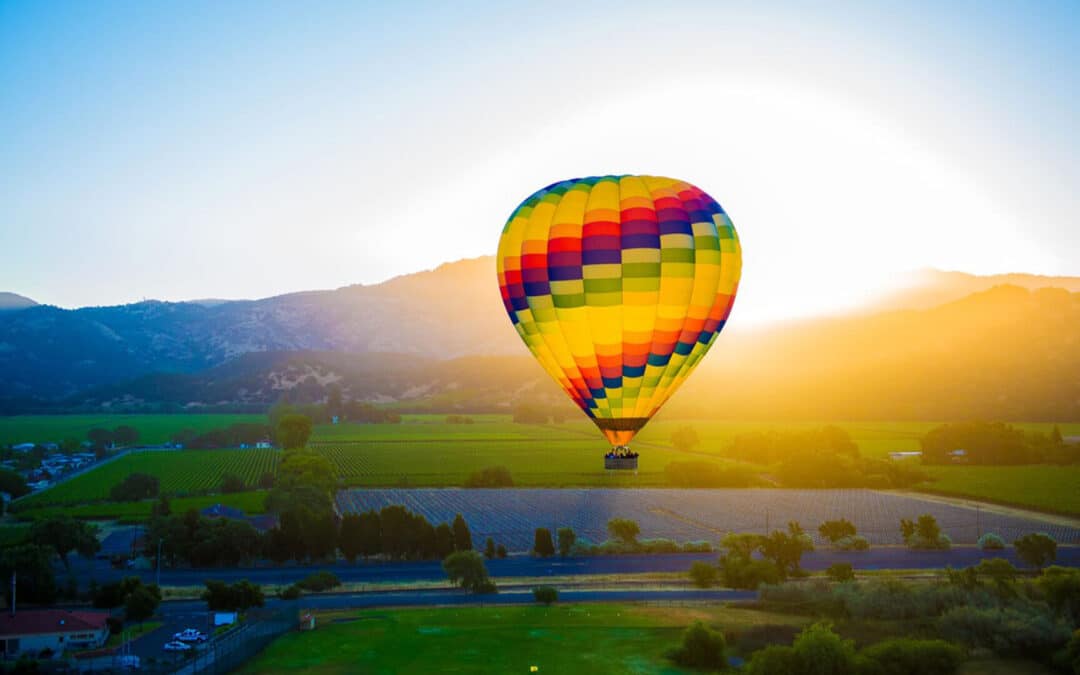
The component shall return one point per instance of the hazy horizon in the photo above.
(228, 152)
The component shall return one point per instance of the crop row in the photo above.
(510, 516)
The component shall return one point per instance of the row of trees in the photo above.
(996, 443)
(121, 436)
(232, 436)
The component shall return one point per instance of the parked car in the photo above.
(190, 635)
(129, 662)
(176, 646)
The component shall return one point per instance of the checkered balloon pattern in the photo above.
(619, 285)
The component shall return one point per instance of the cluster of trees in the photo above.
(194, 540)
(995, 443)
(232, 436)
(821, 458)
(924, 533)
(336, 406)
(490, 477)
(121, 436)
(623, 539)
(841, 535)
(750, 560)
(135, 487)
(238, 597)
(397, 533)
(13, 484)
(302, 499)
(139, 600)
(987, 606)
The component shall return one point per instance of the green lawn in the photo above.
(153, 429)
(249, 502)
(592, 638)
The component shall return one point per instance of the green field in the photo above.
(426, 451)
(1050, 488)
(249, 502)
(153, 429)
(181, 472)
(600, 638)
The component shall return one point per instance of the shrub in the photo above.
(546, 594)
(1037, 550)
(697, 547)
(702, 647)
(740, 572)
(1061, 588)
(991, 542)
(490, 477)
(853, 543)
(835, 530)
(657, 546)
(703, 574)
(840, 572)
(761, 636)
(323, 580)
(773, 660)
(819, 650)
(290, 592)
(901, 656)
(1020, 630)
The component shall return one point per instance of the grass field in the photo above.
(181, 472)
(426, 451)
(600, 638)
(153, 429)
(249, 502)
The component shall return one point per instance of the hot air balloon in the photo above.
(619, 285)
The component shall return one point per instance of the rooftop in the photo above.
(44, 621)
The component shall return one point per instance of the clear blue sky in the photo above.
(188, 150)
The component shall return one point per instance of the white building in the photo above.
(48, 633)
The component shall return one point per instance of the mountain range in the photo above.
(951, 345)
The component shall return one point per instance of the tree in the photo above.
(462, 536)
(349, 536)
(13, 484)
(238, 597)
(161, 508)
(35, 581)
(370, 539)
(787, 548)
(545, 594)
(685, 439)
(840, 572)
(624, 530)
(500, 551)
(293, 432)
(835, 530)
(100, 438)
(703, 574)
(141, 603)
(702, 647)
(230, 483)
(135, 487)
(542, 544)
(65, 534)
(467, 570)
(444, 541)
(567, 538)
(1036, 549)
(489, 548)
(124, 436)
(926, 528)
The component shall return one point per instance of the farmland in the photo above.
(181, 472)
(510, 515)
(153, 429)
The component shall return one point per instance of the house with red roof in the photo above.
(48, 633)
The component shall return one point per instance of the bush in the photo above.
(991, 542)
(545, 594)
(740, 572)
(1037, 550)
(703, 574)
(490, 477)
(322, 580)
(657, 546)
(840, 572)
(702, 647)
(853, 543)
(761, 636)
(697, 547)
(819, 650)
(1021, 630)
(1061, 588)
(835, 530)
(290, 593)
(773, 660)
(901, 656)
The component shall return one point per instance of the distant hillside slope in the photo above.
(930, 288)
(10, 301)
(439, 340)
(47, 352)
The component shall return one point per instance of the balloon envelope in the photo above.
(619, 285)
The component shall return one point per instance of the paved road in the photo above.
(524, 566)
